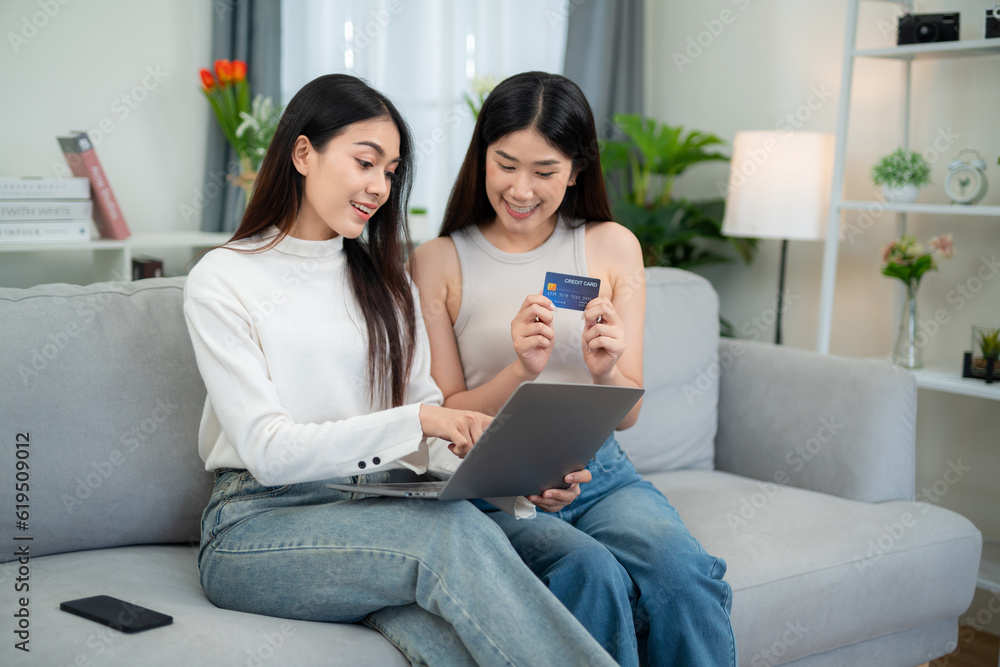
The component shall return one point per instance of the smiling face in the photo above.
(526, 180)
(348, 181)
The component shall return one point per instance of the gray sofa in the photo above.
(797, 468)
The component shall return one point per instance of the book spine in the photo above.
(48, 231)
(83, 161)
(45, 210)
(44, 188)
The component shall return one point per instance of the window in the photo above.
(423, 54)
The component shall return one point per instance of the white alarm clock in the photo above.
(966, 179)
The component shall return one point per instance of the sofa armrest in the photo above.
(841, 426)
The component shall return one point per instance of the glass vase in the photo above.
(907, 353)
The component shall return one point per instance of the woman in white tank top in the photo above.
(530, 198)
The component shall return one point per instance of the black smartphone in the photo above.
(117, 614)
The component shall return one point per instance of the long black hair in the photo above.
(320, 111)
(555, 107)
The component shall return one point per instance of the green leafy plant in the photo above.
(989, 343)
(902, 167)
(481, 87)
(641, 171)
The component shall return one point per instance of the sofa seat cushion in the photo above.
(812, 572)
(679, 418)
(165, 578)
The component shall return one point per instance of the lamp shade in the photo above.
(779, 185)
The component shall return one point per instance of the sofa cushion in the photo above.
(165, 579)
(812, 572)
(677, 424)
(101, 383)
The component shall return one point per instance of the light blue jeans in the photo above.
(437, 578)
(620, 558)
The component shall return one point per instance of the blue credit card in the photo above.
(567, 291)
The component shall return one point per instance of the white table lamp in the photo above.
(779, 188)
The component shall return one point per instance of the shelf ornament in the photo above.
(966, 180)
(901, 174)
(908, 260)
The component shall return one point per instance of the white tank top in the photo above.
(495, 284)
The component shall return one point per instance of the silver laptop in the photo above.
(542, 433)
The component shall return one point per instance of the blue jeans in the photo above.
(435, 577)
(620, 558)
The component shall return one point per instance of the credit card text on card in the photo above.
(568, 291)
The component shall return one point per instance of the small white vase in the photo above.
(904, 194)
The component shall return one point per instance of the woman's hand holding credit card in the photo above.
(604, 333)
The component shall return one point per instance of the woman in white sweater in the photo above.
(316, 361)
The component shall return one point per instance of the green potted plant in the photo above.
(901, 174)
(640, 171)
(987, 340)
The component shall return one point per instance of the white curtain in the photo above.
(423, 54)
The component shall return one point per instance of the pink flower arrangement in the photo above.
(908, 260)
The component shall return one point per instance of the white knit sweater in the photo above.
(283, 351)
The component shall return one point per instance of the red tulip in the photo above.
(239, 71)
(207, 81)
(223, 70)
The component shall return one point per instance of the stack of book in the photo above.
(45, 210)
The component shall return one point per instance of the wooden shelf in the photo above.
(936, 50)
(930, 209)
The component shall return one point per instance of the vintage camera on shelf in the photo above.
(926, 28)
(992, 29)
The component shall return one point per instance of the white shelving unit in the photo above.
(113, 259)
(934, 376)
(942, 377)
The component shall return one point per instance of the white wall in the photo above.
(128, 73)
(766, 62)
